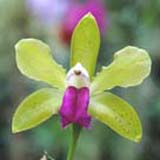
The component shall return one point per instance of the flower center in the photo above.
(76, 98)
(77, 77)
(77, 72)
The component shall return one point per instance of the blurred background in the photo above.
(121, 23)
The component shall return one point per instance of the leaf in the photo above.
(117, 114)
(130, 67)
(85, 43)
(36, 108)
(34, 60)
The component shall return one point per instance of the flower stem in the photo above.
(75, 135)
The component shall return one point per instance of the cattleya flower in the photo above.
(77, 95)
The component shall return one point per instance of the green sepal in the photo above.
(130, 67)
(34, 59)
(117, 114)
(85, 43)
(36, 108)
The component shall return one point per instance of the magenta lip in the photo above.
(74, 107)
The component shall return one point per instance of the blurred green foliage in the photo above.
(132, 22)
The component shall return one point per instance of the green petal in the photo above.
(85, 43)
(36, 108)
(117, 114)
(130, 67)
(34, 60)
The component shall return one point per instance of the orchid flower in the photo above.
(77, 95)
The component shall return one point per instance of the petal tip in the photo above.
(138, 138)
(14, 129)
(90, 15)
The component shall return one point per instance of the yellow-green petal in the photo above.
(36, 108)
(85, 43)
(34, 60)
(117, 114)
(130, 67)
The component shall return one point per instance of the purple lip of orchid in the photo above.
(74, 107)
(76, 98)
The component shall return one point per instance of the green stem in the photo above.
(75, 135)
